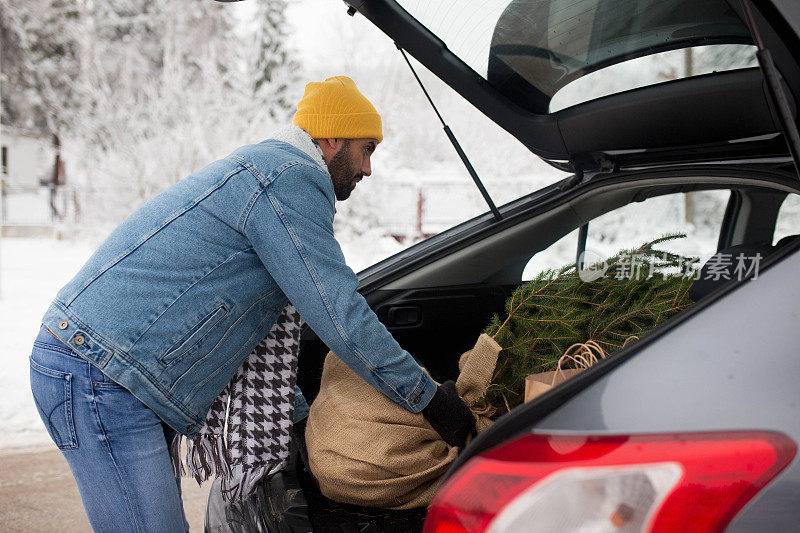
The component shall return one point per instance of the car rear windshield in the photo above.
(530, 49)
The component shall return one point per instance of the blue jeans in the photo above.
(115, 446)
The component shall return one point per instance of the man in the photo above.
(163, 314)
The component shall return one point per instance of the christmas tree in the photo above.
(640, 289)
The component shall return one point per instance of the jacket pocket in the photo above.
(194, 336)
(52, 394)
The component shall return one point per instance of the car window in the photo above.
(529, 49)
(556, 255)
(788, 222)
(650, 70)
(697, 214)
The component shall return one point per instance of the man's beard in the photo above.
(343, 172)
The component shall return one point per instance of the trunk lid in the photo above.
(532, 65)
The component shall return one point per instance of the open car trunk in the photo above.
(437, 322)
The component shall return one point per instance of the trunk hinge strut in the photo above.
(454, 141)
(779, 98)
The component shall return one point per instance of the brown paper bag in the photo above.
(538, 384)
(581, 354)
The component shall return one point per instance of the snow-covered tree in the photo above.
(154, 97)
(143, 92)
(40, 63)
(273, 67)
(164, 89)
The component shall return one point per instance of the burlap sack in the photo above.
(365, 449)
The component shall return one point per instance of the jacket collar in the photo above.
(297, 137)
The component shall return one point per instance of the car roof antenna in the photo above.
(776, 89)
(461, 154)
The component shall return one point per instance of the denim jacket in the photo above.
(176, 298)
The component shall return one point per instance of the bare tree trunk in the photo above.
(420, 211)
(688, 62)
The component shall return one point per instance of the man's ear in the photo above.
(331, 144)
(329, 147)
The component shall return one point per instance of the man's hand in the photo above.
(449, 416)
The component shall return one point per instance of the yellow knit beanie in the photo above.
(335, 109)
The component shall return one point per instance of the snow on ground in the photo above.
(31, 272)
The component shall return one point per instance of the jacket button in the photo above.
(190, 427)
(79, 339)
(416, 400)
(63, 324)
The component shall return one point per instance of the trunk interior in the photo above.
(435, 325)
(437, 304)
(438, 310)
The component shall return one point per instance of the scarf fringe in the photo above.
(175, 456)
(206, 457)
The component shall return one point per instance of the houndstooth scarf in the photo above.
(257, 407)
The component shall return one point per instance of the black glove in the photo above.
(449, 416)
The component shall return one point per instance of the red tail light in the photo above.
(670, 482)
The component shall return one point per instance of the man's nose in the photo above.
(366, 169)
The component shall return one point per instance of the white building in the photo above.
(31, 177)
(27, 158)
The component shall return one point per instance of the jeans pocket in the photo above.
(52, 393)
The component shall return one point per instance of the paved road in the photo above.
(37, 493)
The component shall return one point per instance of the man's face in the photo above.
(350, 164)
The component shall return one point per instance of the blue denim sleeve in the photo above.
(290, 225)
(300, 405)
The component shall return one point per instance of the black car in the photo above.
(693, 427)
